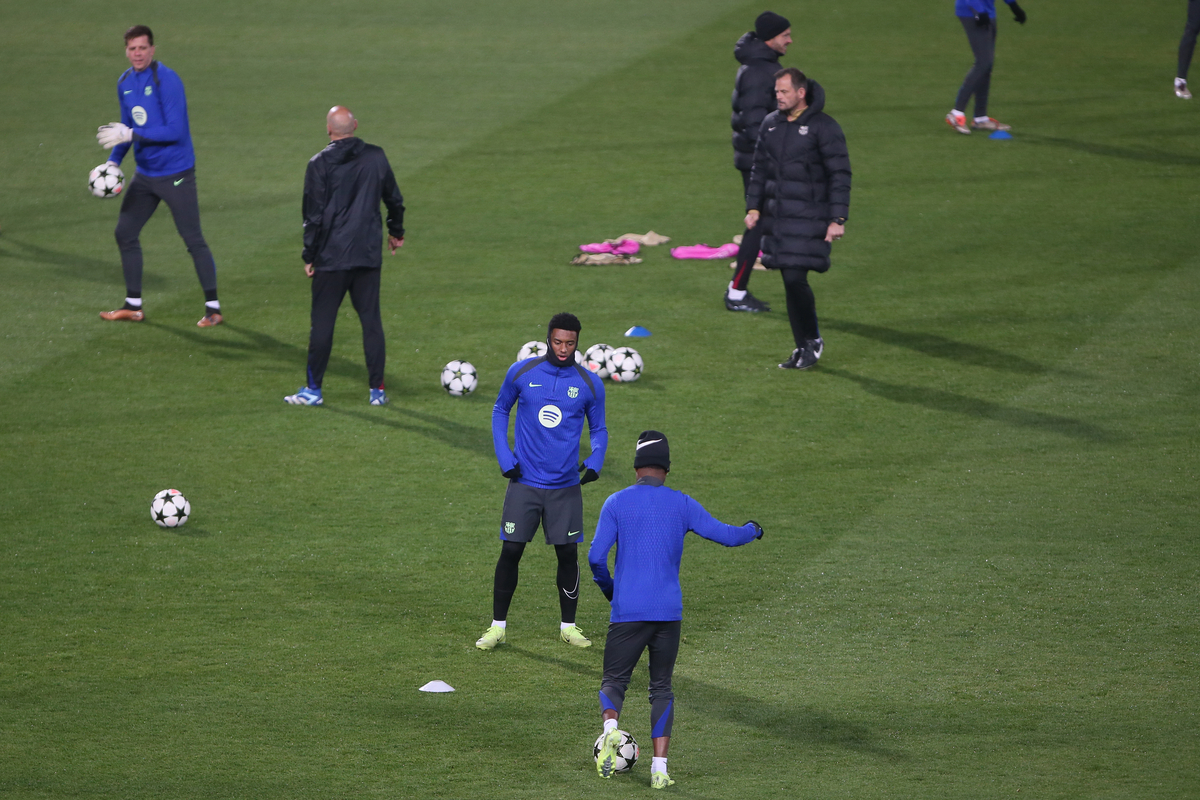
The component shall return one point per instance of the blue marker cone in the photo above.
(1000, 135)
(637, 330)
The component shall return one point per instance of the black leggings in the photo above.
(801, 305)
(751, 244)
(623, 649)
(329, 287)
(1188, 43)
(138, 205)
(506, 578)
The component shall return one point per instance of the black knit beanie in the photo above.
(652, 451)
(769, 25)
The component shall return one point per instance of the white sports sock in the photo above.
(562, 626)
(982, 119)
(499, 623)
(610, 725)
(956, 112)
(136, 302)
(213, 305)
(735, 294)
(658, 764)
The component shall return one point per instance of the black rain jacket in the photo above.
(800, 182)
(753, 95)
(343, 186)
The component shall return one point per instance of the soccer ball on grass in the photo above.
(459, 378)
(170, 509)
(106, 180)
(596, 359)
(627, 751)
(624, 365)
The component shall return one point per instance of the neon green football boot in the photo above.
(606, 759)
(660, 780)
(493, 636)
(573, 635)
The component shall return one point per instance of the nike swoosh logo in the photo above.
(573, 533)
(640, 445)
(129, 91)
(179, 181)
(771, 129)
(534, 385)
(571, 595)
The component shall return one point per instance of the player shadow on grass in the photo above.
(1109, 151)
(74, 266)
(785, 722)
(260, 344)
(940, 400)
(931, 344)
(454, 434)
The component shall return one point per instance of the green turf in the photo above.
(978, 578)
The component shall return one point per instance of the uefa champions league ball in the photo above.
(106, 180)
(627, 751)
(531, 350)
(459, 378)
(170, 509)
(596, 359)
(624, 365)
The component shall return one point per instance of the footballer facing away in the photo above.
(154, 122)
(553, 396)
(646, 523)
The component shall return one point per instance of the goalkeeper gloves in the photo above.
(982, 19)
(1018, 13)
(588, 475)
(757, 527)
(513, 474)
(113, 134)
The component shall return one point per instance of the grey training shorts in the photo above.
(559, 511)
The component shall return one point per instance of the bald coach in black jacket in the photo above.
(343, 231)
(800, 187)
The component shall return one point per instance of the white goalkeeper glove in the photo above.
(113, 134)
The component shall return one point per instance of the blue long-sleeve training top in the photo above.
(154, 105)
(969, 8)
(552, 403)
(647, 523)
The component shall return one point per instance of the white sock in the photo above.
(956, 112)
(213, 305)
(499, 623)
(136, 302)
(982, 119)
(610, 725)
(562, 626)
(735, 294)
(1181, 82)
(658, 765)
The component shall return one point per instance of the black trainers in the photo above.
(748, 303)
(805, 357)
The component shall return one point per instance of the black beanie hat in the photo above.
(769, 25)
(652, 451)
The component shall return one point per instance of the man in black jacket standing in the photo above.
(800, 188)
(758, 52)
(343, 230)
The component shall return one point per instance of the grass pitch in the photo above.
(978, 577)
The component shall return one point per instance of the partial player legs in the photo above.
(179, 193)
(328, 289)
(505, 584)
(1187, 44)
(801, 306)
(664, 649)
(137, 206)
(364, 294)
(568, 580)
(979, 78)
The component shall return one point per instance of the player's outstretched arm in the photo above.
(711, 528)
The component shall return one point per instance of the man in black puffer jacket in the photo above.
(758, 51)
(800, 187)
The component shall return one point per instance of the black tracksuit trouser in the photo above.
(329, 288)
(751, 244)
(979, 79)
(1188, 43)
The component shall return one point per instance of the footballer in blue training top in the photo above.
(553, 395)
(647, 523)
(154, 122)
